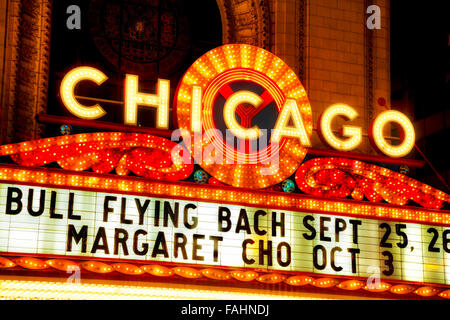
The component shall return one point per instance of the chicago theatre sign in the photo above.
(118, 202)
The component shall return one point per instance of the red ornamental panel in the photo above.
(144, 155)
(339, 178)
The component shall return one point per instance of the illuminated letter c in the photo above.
(68, 85)
(229, 111)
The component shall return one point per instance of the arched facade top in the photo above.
(26, 66)
(246, 21)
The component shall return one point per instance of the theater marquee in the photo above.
(74, 223)
(138, 203)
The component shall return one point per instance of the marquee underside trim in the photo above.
(224, 276)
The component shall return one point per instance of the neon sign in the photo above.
(146, 214)
(245, 81)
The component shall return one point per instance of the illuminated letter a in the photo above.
(290, 111)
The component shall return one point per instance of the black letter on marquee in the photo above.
(258, 231)
(106, 208)
(141, 209)
(355, 224)
(82, 235)
(309, 227)
(123, 212)
(196, 246)
(101, 235)
(445, 241)
(180, 245)
(323, 228)
(324, 257)
(265, 252)
(333, 253)
(244, 251)
(173, 214)
(288, 254)
(70, 214)
(157, 207)
(120, 237)
(54, 215)
(160, 240)
(354, 252)
(10, 200)
(339, 225)
(242, 223)
(41, 203)
(144, 250)
(276, 224)
(216, 246)
(225, 218)
(185, 216)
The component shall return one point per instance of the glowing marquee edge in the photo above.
(223, 194)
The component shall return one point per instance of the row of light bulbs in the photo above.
(218, 274)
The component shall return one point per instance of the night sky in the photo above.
(420, 71)
(419, 53)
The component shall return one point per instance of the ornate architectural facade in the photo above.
(146, 52)
(324, 41)
(25, 64)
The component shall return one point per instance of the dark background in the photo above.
(420, 74)
(420, 54)
(197, 29)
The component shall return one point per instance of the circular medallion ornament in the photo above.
(229, 101)
(144, 34)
